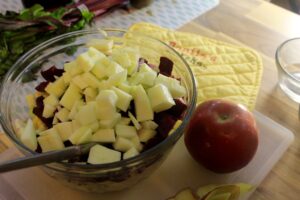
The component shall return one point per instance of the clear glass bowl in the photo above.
(288, 66)
(96, 178)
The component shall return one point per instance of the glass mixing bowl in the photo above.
(20, 82)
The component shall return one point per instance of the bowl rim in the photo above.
(278, 63)
(173, 138)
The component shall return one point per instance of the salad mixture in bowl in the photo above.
(129, 94)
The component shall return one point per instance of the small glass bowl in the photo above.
(103, 177)
(288, 65)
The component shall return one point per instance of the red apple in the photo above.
(222, 136)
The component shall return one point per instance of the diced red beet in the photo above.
(165, 123)
(49, 74)
(153, 142)
(39, 101)
(178, 109)
(165, 66)
(41, 87)
(68, 143)
(39, 113)
(38, 149)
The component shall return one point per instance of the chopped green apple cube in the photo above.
(142, 104)
(103, 45)
(106, 104)
(28, 136)
(63, 115)
(57, 88)
(104, 135)
(48, 111)
(67, 77)
(75, 125)
(174, 86)
(91, 80)
(149, 78)
(90, 92)
(110, 123)
(73, 68)
(118, 78)
(75, 108)
(38, 124)
(51, 100)
(85, 62)
(50, 142)
(30, 99)
(149, 125)
(136, 78)
(19, 126)
(81, 135)
(127, 57)
(48, 131)
(79, 82)
(94, 126)
(122, 144)
(113, 68)
(99, 70)
(137, 143)
(85, 138)
(146, 134)
(95, 54)
(125, 131)
(86, 114)
(130, 153)
(120, 57)
(160, 98)
(124, 121)
(124, 99)
(64, 129)
(71, 95)
(101, 155)
(125, 87)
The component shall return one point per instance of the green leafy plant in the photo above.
(19, 32)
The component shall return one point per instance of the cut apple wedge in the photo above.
(146, 134)
(86, 114)
(104, 136)
(160, 98)
(28, 136)
(103, 45)
(110, 123)
(124, 99)
(125, 131)
(81, 135)
(130, 153)
(71, 95)
(185, 194)
(57, 88)
(142, 104)
(50, 142)
(62, 115)
(100, 155)
(226, 191)
(64, 129)
(122, 144)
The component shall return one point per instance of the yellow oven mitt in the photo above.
(221, 70)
